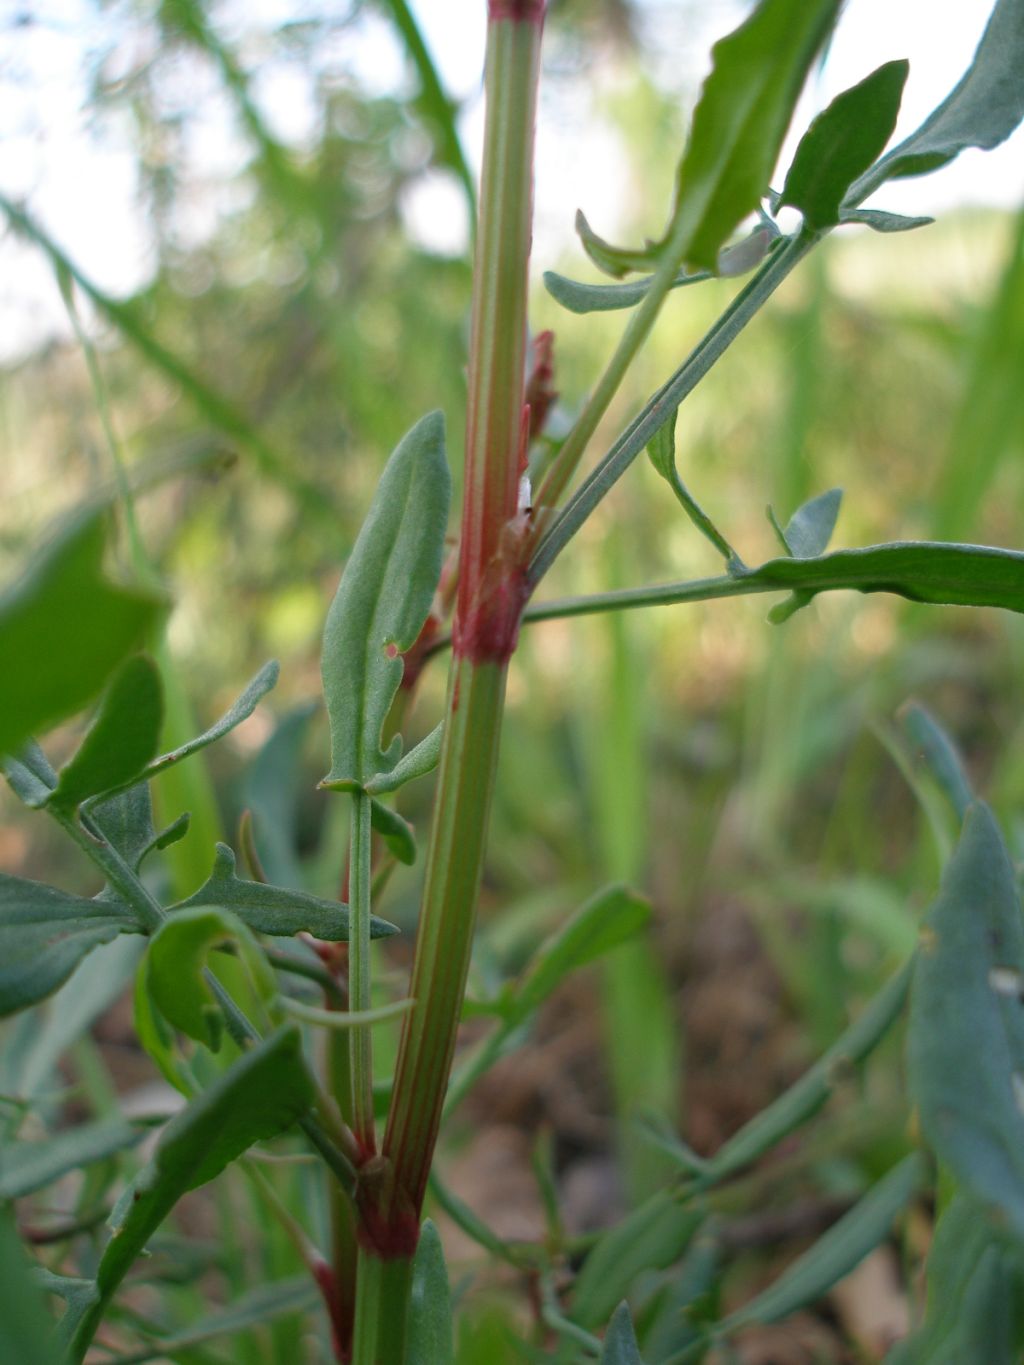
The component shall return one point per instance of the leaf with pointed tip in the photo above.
(615, 260)
(810, 528)
(838, 1252)
(396, 832)
(263, 1304)
(121, 740)
(650, 1238)
(263, 1092)
(966, 1035)
(383, 599)
(423, 758)
(430, 1307)
(175, 966)
(942, 573)
(275, 909)
(241, 710)
(64, 628)
(982, 110)
(842, 142)
(28, 1166)
(619, 1346)
(741, 120)
(936, 750)
(735, 260)
(44, 935)
(880, 221)
(606, 921)
(29, 774)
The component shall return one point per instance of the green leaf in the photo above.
(661, 450)
(419, 761)
(44, 934)
(121, 740)
(803, 1099)
(648, 1239)
(430, 1308)
(879, 221)
(735, 260)
(29, 774)
(175, 964)
(933, 747)
(272, 793)
(261, 1094)
(275, 909)
(620, 1346)
(982, 110)
(810, 528)
(241, 710)
(741, 120)
(396, 832)
(838, 1252)
(64, 628)
(25, 1326)
(607, 920)
(923, 571)
(382, 602)
(841, 143)
(975, 1294)
(966, 1036)
(28, 1166)
(615, 260)
(262, 1304)
(158, 1040)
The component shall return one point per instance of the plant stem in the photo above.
(360, 995)
(489, 603)
(660, 407)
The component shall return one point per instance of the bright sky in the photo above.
(82, 188)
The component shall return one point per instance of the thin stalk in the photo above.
(489, 603)
(637, 330)
(660, 407)
(360, 993)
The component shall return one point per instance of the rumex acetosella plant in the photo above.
(257, 1001)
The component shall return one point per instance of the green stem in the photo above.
(661, 406)
(636, 333)
(360, 982)
(488, 607)
(382, 1296)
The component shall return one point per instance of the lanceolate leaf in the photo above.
(810, 528)
(396, 832)
(741, 120)
(430, 1307)
(242, 709)
(274, 909)
(981, 111)
(880, 221)
(606, 921)
(648, 1239)
(924, 571)
(64, 628)
(382, 601)
(28, 1166)
(842, 143)
(842, 1248)
(121, 740)
(620, 1346)
(966, 1037)
(262, 1093)
(262, 1304)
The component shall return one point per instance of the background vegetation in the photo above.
(294, 324)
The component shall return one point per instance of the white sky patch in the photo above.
(79, 177)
